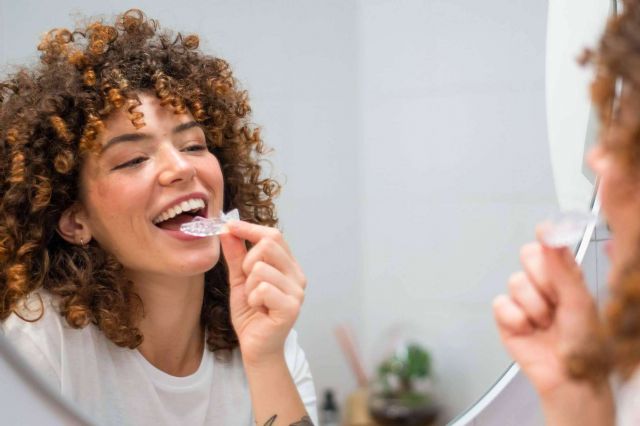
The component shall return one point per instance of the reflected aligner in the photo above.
(201, 227)
(567, 229)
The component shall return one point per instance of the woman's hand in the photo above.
(266, 289)
(547, 314)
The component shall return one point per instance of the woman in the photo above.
(548, 321)
(122, 133)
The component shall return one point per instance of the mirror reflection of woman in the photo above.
(549, 322)
(118, 136)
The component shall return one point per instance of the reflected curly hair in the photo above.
(50, 116)
(615, 345)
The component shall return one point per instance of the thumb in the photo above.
(234, 251)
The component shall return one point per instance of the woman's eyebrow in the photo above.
(134, 137)
(184, 126)
(125, 137)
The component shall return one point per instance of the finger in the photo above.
(562, 253)
(562, 262)
(275, 301)
(510, 317)
(536, 270)
(528, 297)
(271, 252)
(564, 273)
(234, 251)
(254, 233)
(263, 272)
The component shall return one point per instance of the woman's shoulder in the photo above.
(37, 332)
(35, 308)
(36, 325)
(36, 313)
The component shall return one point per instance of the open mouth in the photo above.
(183, 212)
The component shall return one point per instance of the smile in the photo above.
(192, 207)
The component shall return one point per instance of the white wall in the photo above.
(455, 154)
(412, 138)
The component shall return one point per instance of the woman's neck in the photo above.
(173, 336)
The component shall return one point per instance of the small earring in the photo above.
(81, 242)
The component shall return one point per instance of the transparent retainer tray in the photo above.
(566, 229)
(201, 227)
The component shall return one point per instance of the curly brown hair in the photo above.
(615, 344)
(50, 116)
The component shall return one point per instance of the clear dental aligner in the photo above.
(567, 229)
(201, 227)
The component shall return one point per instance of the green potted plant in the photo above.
(400, 396)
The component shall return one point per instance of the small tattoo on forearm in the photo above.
(305, 421)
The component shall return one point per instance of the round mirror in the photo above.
(411, 138)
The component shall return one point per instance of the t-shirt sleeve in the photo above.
(301, 373)
(38, 342)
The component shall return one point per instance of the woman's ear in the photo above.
(73, 225)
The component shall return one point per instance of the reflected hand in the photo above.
(547, 313)
(266, 289)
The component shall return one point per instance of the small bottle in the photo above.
(329, 410)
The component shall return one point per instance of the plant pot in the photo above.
(400, 410)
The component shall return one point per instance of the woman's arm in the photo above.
(274, 395)
(266, 293)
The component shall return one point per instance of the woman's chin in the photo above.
(196, 267)
(190, 264)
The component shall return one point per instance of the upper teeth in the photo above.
(185, 206)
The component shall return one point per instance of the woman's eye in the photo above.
(195, 148)
(131, 163)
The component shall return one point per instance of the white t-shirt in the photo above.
(118, 386)
(628, 401)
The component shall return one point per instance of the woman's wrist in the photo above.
(264, 361)
(576, 403)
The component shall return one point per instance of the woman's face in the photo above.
(620, 200)
(133, 186)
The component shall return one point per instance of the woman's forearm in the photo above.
(579, 404)
(274, 395)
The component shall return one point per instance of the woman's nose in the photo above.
(175, 167)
